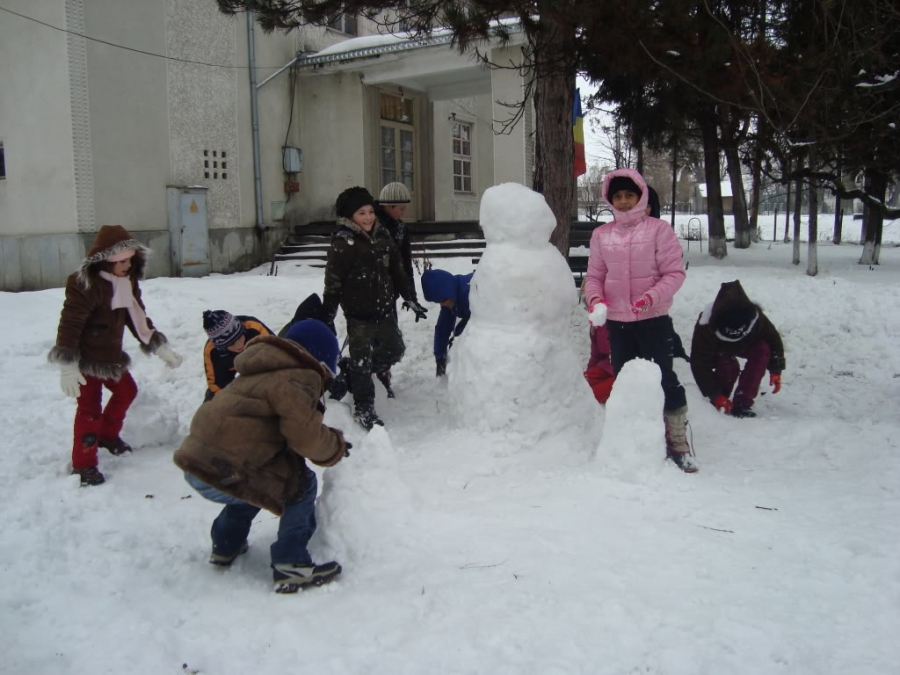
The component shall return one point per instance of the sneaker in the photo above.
(385, 379)
(90, 476)
(291, 577)
(225, 560)
(116, 446)
(683, 461)
(742, 411)
(367, 417)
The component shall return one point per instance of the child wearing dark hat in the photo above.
(228, 335)
(361, 276)
(102, 299)
(635, 268)
(248, 449)
(733, 327)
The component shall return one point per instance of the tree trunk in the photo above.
(873, 218)
(787, 209)
(798, 205)
(674, 181)
(838, 214)
(554, 152)
(738, 199)
(812, 260)
(711, 171)
(838, 221)
(756, 177)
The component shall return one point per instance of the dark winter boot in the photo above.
(677, 447)
(116, 446)
(385, 379)
(225, 560)
(340, 385)
(90, 476)
(291, 577)
(742, 411)
(367, 417)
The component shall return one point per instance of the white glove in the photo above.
(170, 358)
(71, 379)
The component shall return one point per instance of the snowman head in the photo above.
(512, 214)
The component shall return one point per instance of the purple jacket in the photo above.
(633, 255)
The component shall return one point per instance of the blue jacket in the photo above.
(437, 286)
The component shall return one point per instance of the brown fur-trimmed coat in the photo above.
(90, 332)
(252, 439)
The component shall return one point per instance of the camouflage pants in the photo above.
(374, 348)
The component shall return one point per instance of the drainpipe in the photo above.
(254, 117)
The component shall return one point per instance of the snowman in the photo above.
(516, 367)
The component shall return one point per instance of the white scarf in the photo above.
(123, 298)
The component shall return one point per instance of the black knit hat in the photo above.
(222, 328)
(617, 183)
(351, 200)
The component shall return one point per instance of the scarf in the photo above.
(123, 298)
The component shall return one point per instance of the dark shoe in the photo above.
(367, 417)
(742, 411)
(90, 476)
(291, 577)
(116, 446)
(225, 560)
(385, 379)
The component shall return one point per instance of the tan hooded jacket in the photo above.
(251, 441)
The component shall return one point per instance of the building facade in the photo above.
(142, 114)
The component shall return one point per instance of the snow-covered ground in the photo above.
(474, 551)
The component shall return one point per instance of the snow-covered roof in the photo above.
(725, 187)
(375, 45)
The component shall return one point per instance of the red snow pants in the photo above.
(94, 423)
(728, 370)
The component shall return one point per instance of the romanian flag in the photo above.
(578, 134)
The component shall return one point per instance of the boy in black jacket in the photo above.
(361, 275)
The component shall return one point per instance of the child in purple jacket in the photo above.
(635, 268)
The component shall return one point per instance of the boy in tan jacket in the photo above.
(248, 448)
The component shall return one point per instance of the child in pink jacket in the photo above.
(635, 269)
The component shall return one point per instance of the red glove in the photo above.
(775, 382)
(642, 304)
(723, 404)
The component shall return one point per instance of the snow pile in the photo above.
(515, 367)
(634, 433)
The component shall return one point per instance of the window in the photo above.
(398, 148)
(462, 157)
(2, 162)
(344, 23)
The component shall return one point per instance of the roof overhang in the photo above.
(432, 64)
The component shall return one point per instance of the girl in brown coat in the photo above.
(102, 299)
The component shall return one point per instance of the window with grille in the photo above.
(344, 23)
(398, 147)
(462, 157)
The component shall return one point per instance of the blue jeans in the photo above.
(231, 527)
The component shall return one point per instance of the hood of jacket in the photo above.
(438, 285)
(636, 214)
(267, 353)
(110, 240)
(731, 297)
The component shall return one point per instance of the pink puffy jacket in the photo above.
(633, 255)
